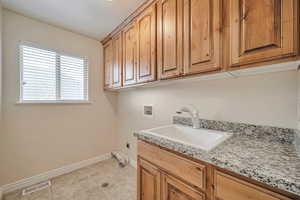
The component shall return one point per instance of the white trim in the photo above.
(280, 67)
(39, 46)
(53, 102)
(133, 163)
(52, 173)
(20, 59)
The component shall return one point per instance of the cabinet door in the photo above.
(107, 49)
(117, 61)
(261, 30)
(129, 55)
(169, 38)
(230, 188)
(173, 189)
(146, 45)
(202, 36)
(148, 181)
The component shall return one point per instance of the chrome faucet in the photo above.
(193, 113)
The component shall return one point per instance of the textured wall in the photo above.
(38, 138)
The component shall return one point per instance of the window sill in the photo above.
(54, 102)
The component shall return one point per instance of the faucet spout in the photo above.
(196, 123)
(193, 112)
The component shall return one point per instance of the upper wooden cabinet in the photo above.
(117, 61)
(108, 63)
(261, 30)
(146, 45)
(202, 35)
(169, 38)
(129, 55)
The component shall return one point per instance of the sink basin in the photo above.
(204, 139)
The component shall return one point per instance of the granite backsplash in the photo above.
(283, 135)
(297, 141)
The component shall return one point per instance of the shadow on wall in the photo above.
(112, 99)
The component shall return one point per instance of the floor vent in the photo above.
(35, 188)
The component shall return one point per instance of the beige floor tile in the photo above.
(87, 184)
(13, 196)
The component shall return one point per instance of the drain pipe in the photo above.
(121, 157)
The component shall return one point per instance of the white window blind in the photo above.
(49, 76)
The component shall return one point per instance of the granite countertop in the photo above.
(265, 154)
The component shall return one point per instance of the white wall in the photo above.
(38, 138)
(298, 101)
(0, 78)
(0, 64)
(266, 99)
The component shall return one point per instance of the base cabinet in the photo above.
(230, 188)
(174, 189)
(149, 181)
(158, 179)
(155, 184)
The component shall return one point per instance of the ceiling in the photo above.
(94, 18)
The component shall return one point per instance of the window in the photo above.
(49, 76)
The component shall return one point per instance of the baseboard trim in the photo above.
(51, 174)
(133, 163)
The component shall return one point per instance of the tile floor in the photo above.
(87, 184)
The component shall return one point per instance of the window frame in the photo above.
(59, 53)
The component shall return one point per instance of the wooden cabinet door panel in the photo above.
(202, 37)
(117, 61)
(170, 38)
(230, 188)
(189, 171)
(129, 55)
(148, 181)
(261, 30)
(108, 62)
(146, 45)
(173, 189)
